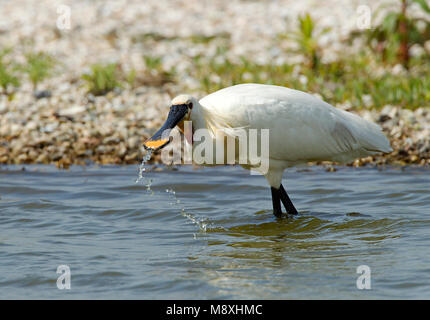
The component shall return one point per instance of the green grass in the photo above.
(361, 80)
(152, 36)
(306, 39)
(38, 67)
(398, 32)
(194, 38)
(154, 73)
(349, 80)
(130, 78)
(153, 63)
(203, 39)
(8, 72)
(102, 78)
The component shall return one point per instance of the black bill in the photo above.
(161, 138)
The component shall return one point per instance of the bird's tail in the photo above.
(368, 135)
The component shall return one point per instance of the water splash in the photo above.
(201, 223)
(142, 169)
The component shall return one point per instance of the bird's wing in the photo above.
(302, 127)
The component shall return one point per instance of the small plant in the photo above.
(152, 36)
(154, 74)
(204, 39)
(8, 77)
(393, 38)
(218, 72)
(130, 78)
(102, 78)
(38, 67)
(153, 63)
(350, 80)
(306, 39)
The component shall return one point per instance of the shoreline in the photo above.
(116, 137)
(153, 167)
(71, 140)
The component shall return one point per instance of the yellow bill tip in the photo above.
(154, 144)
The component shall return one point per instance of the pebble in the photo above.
(60, 123)
(39, 94)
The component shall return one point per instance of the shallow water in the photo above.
(210, 233)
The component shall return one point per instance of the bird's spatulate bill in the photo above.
(161, 138)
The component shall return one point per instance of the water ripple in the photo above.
(210, 233)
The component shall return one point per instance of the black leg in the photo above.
(286, 201)
(276, 201)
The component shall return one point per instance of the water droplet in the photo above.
(142, 168)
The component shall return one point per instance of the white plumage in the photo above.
(302, 128)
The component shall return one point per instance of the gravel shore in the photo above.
(69, 126)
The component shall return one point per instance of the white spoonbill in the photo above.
(302, 128)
